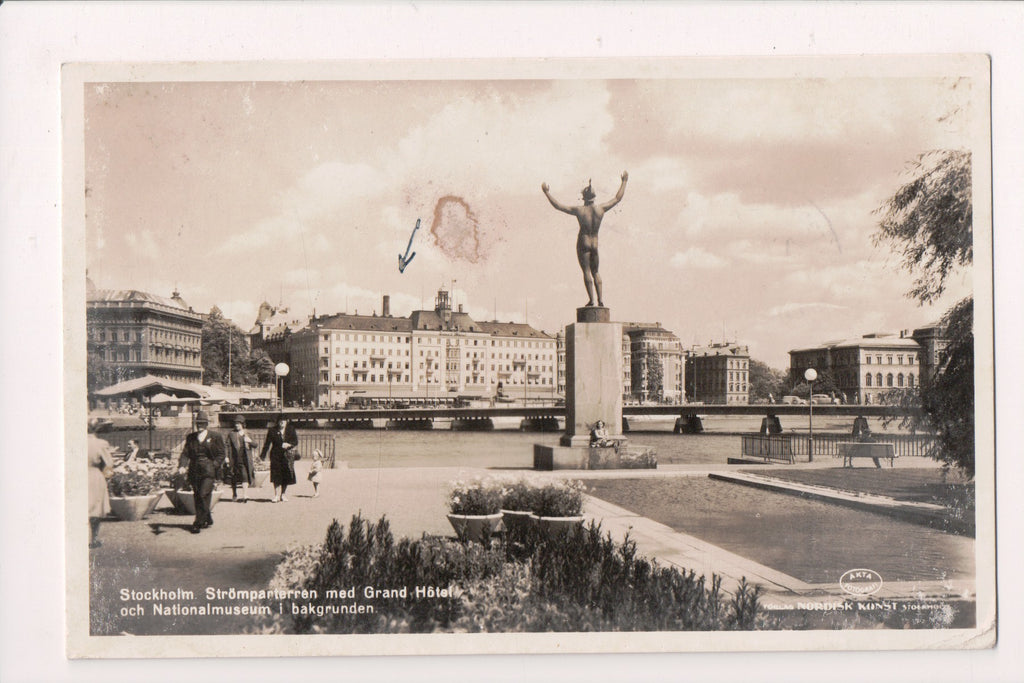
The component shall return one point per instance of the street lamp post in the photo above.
(810, 374)
(281, 371)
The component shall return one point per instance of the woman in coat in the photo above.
(240, 447)
(100, 465)
(281, 442)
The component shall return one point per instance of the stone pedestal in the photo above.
(593, 314)
(593, 365)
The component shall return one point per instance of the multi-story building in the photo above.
(718, 373)
(439, 354)
(647, 337)
(138, 333)
(933, 342)
(863, 368)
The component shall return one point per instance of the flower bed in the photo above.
(475, 497)
(139, 478)
(583, 582)
(562, 498)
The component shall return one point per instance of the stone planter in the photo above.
(517, 519)
(475, 527)
(133, 508)
(184, 502)
(557, 526)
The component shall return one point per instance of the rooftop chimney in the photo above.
(386, 306)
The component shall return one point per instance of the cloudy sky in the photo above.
(748, 214)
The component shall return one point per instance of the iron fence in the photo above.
(170, 443)
(788, 447)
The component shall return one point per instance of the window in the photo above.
(878, 379)
(899, 380)
(888, 380)
(910, 380)
(867, 360)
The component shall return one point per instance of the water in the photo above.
(509, 448)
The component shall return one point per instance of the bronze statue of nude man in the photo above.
(589, 216)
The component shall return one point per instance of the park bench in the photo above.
(875, 451)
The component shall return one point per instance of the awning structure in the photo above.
(149, 386)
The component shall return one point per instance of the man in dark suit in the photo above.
(202, 458)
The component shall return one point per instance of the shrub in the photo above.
(139, 478)
(632, 593)
(476, 497)
(583, 582)
(560, 499)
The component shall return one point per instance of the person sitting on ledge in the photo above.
(599, 436)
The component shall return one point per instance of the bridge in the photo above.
(413, 417)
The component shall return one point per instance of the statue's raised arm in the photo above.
(554, 202)
(618, 195)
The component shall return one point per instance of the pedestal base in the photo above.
(593, 314)
(586, 458)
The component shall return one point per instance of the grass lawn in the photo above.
(813, 541)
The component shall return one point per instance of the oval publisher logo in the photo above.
(860, 582)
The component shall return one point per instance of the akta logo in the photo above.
(860, 582)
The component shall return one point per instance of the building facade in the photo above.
(429, 356)
(933, 342)
(865, 368)
(718, 373)
(136, 333)
(652, 343)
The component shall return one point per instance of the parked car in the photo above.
(793, 401)
(821, 399)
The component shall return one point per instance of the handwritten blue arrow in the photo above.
(406, 258)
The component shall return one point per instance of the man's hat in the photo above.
(202, 418)
(240, 420)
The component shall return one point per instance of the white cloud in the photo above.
(695, 257)
(790, 308)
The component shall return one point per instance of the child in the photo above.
(316, 472)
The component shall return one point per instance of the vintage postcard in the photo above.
(528, 356)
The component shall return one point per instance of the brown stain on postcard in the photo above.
(456, 229)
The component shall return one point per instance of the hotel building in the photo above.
(144, 334)
(430, 356)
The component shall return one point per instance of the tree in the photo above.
(930, 219)
(655, 375)
(939, 405)
(824, 384)
(261, 366)
(764, 381)
(226, 354)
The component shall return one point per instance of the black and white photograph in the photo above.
(339, 352)
(587, 340)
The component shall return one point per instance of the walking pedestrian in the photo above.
(202, 459)
(280, 442)
(101, 467)
(240, 446)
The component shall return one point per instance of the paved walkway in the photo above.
(248, 540)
